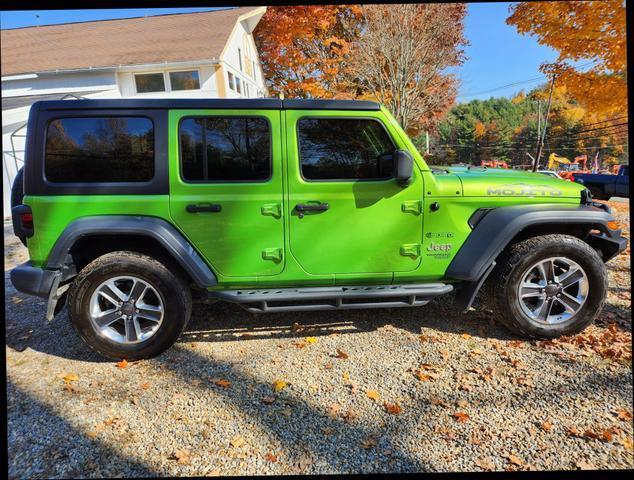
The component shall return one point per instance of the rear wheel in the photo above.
(129, 305)
(17, 194)
(548, 286)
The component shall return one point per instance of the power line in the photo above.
(604, 121)
(520, 82)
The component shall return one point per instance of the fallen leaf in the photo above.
(514, 460)
(466, 336)
(583, 465)
(296, 327)
(328, 366)
(341, 354)
(435, 400)
(70, 377)
(461, 417)
(624, 415)
(279, 385)
(287, 412)
(237, 442)
(134, 401)
(547, 426)
(348, 416)
(370, 442)
(484, 464)
(270, 457)
(146, 385)
(627, 443)
(462, 403)
(122, 364)
(221, 382)
(182, 456)
(393, 408)
(333, 410)
(310, 339)
(268, 400)
(195, 382)
(373, 394)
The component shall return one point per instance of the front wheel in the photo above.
(548, 286)
(126, 305)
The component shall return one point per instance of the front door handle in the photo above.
(310, 207)
(213, 207)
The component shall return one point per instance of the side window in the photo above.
(99, 149)
(344, 149)
(225, 149)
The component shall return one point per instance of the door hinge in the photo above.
(411, 250)
(272, 209)
(274, 254)
(413, 206)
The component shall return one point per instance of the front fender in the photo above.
(499, 226)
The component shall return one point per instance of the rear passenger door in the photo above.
(226, 188)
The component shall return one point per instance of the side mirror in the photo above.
(403, 167)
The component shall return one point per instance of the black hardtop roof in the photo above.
(204, 103)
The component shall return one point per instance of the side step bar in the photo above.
(333, 297)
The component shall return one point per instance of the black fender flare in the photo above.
(156, 228)
(500, 225)
(496, 228)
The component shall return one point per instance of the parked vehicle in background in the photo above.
(606, 186)
(550, 173)
(133, 209)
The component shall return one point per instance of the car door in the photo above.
(226, 188)
(347, 214)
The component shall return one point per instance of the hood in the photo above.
(488, 182)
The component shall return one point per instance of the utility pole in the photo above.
(539, 119)
(540, 145)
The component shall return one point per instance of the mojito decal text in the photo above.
(523, 189)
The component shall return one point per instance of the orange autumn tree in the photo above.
(585, 32)
(304, 49)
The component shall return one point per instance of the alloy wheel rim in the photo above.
(126, 310)
(553, 290)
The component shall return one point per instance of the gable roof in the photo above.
(113, 43)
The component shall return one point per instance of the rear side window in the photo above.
(344, 149)
(100, 149)
(225, 149)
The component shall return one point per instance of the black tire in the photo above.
(17, 194)
(503, 284)
(174, 291)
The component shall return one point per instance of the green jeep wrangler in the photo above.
(133, 209)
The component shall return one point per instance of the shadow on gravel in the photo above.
(53, 442)
(305, 440)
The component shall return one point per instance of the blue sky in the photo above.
(497, 56)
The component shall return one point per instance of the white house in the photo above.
(190, 55)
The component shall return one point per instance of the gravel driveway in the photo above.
(400, 390)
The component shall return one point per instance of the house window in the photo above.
(185, 80)
(232, 85)
(149, 82)
(240, 58)
(238, 87)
